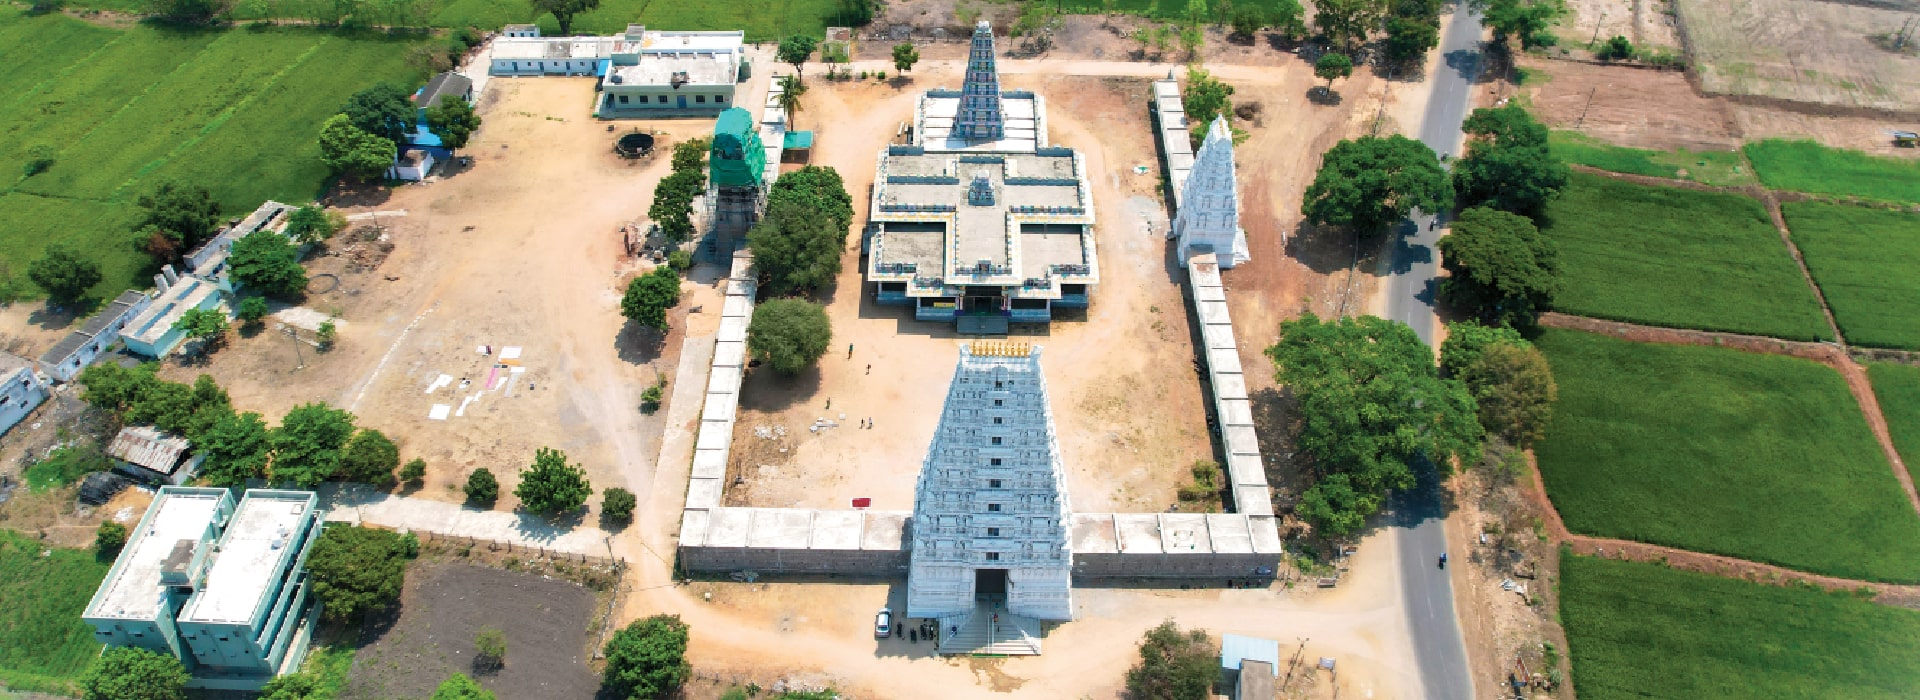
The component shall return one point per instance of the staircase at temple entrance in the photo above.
(990, 631)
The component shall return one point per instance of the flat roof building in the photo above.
(21, 390)
(643, 73)
(151, 333)
(222, 588)
(79, 349)
(978, 220)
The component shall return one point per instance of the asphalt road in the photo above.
(1438, 646)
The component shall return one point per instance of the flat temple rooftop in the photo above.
(1040, 183)
(1019, 113)
(133, 592)
(262, 534)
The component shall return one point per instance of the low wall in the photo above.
(795, 540)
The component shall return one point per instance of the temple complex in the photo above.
(1208, 220)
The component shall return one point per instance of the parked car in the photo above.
(883, 624)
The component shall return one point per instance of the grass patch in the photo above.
(1761, 457)
(43, 643)
(1640, 630)
(1679, 258)
(1722, 168)
(1897, 387)
(1806, 166)
(1867, 263)
(67, 465)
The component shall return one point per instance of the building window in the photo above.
(997, 384)
(996, 420)
(994, 462)
(996, 441)
(993, 507)
(993, 556)
(623, 99)
(993, 532)
(998, 402)
(722, 99)
(662, 99)
(702, 99)
(993, 483)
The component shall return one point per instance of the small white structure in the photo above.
(79, 349)
(989, 515)
(642, 73)
(1208, 222)
(412, 165)
(21, 392)
(210, 259)
(520, 30)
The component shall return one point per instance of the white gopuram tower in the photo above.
(989, 513)
(980, 117)
(1209, 216)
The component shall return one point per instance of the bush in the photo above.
(64, 273)
(489, 649)
(40, 158)
(617, 505)
(133, 673)
(370, 458)
(327, 335)
(481, 487)
(109, 538)
(1174, 665)
(252, 310)
(647, 659)
(680, 261)
(357, 570)
(461, 687)
(414, 471)
(1616, 49)
(650, 295)
(789, 334)
(551, 486)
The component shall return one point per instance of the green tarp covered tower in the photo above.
(738, 159)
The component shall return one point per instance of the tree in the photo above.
(1619, 48)
(1501, 270)
(791, 90)
(647, 659)
(186, 214)
(311, 224)
(789, 334)
(307, 444)
(293, 686)
(414, 471)
(691, 155)
(1370, 402)
(109, 538)
(210, 406)
(64, 273)
(649, 296)
(370, 457)
(164, 405)
(252, 310)
(564, 10)
(1246, 22)
(1345, 21)
(1508, 163)
(817, 188)
(461, 687)
(384, 110)
(1287, 18)
(327, 333)
(904, 56)
(1466, 340)
(798, 242)
(489, 649)
(551, 486)
(794, 51)
(1370, 182)
(357, 569)
(1513, 387)
(1410, 38)
(1331, 66)
(111, 387)
(1174, 665)
(672, 206)
(133, 673)
(267, 262)
(481, 487)
(454, 121)
(617, 505)
(236, 448)
(1530, 20)
(202, 323)
(349, 150)
(187, 11)
(1204, 98)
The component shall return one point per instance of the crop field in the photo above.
(1897, 387)
(1641, 630)
(1867, 263)
(1805, 166)
(43, 644)
(1812, 52)
(121, 111)
(1761, 457)
(1723, 168)
(1679, 258)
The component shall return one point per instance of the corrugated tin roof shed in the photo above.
(1235, 649)
(148, 447)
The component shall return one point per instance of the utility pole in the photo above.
(300, 360)
(1293, 663)
(1583, 110)
(1596, 29)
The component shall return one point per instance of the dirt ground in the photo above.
(1647, 23)
(1818, 53)
(522, 249)
(445, 605)
(1496, 523)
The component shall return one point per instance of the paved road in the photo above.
(1438, 645)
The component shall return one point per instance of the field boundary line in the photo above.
(1786, 236)
(219, 120)
(1535, 491)
(1832, 355)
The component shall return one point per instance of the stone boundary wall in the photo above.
(795, 540)
(1174, 545)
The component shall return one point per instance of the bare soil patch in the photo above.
(1819, 53)
(1634, 107)
(1647, 23)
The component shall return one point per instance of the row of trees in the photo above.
(364, 138)
(551, 487)
(672, 207)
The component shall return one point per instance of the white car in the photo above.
(883, 624)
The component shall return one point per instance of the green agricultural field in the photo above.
(1723, 168)
(43, 644)
(121, 111)
(1680, 258)
(1761, 457)
(1867, 263)
(1640, 630)
(1805, 166)
(1897, 387)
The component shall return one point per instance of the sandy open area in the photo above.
(1818, 53)
(1646, 23)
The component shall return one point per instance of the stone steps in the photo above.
(981, 634)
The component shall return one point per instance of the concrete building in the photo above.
(1208, 218)
(79, 349)
(21, 390)
(653, 73)
(990, 511)
(412, 165)
(154, 456)
(1249, 665)
(151, 333)
(209, 261)
(520, 30)
(221, 588)
(977, 220)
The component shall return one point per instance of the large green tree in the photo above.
(1347, 21)
(1508, 164)
(649, 296)
(187, 215)
(202, 323)
(1331, 66)
(1371, 182)
(798, 243)
(1410, 38)
(236, 450)
(1371, 402)
(357, 569)
(454, 121)
(647, 659)
(1467, 339)
(672, 206)
(789, 334)
(1203, 98)
(1501, 270)
(312, 224)
(551, 486)
(1530, 20)
(308, 442)
(64, 273)
(564, 10)
(1174, 665)
(133, 673)
(369, 457)
(111, 387)
(691, 156)
(1513, 387)
(352, 151)
(268, 263)
(904, 56)
(794, 51)
(384, 110)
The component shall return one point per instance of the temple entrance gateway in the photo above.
(990, 585)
